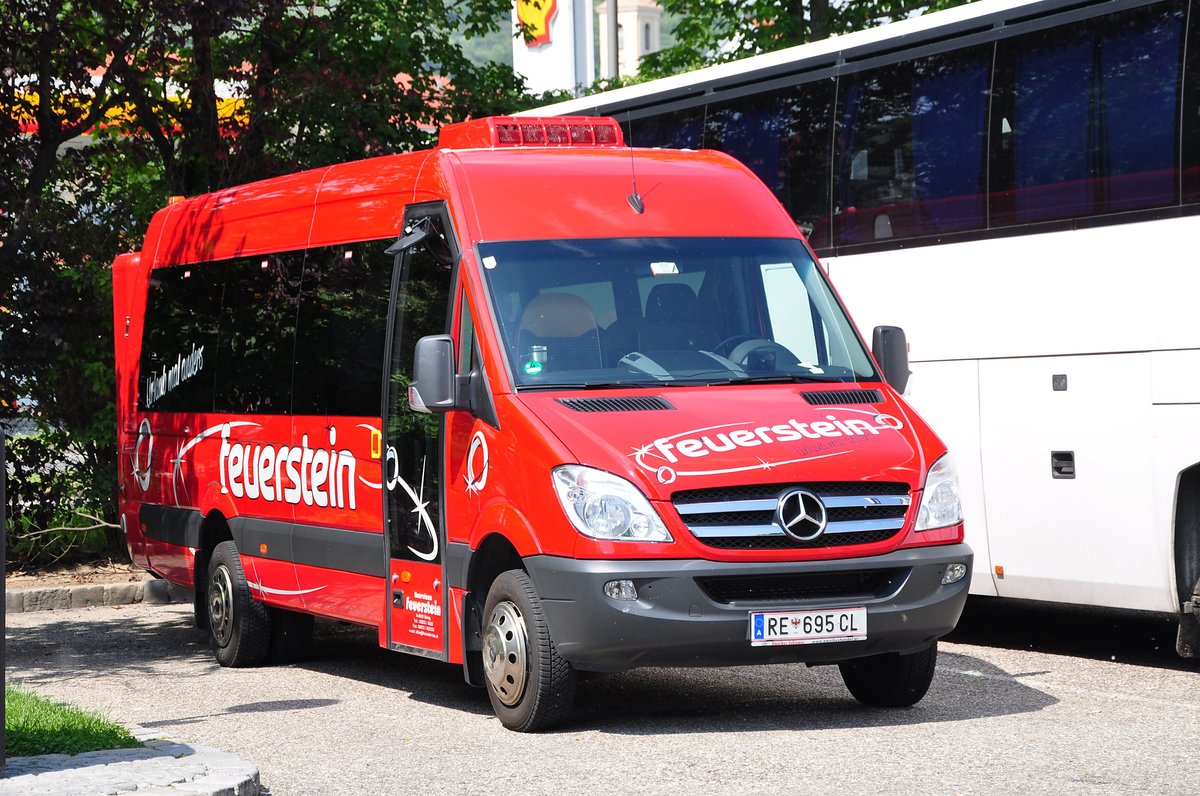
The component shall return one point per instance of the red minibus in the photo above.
(535, 403)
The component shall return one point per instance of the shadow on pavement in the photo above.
(655, 701)
(1101, 634)
(791, 697)
(77, 644)
(250, 707)
(644, 701)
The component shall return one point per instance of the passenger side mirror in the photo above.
(433, 385)
(890, 347)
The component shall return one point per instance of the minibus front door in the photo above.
(413, 469)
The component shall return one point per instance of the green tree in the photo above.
(180, 98)
(716, 31)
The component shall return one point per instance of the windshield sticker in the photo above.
(185, 367)
(664, 269)
(680, 455)
(533, 367)
(489, 262)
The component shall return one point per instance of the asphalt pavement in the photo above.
(1001, 717)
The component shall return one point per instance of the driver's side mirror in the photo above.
(433, 388)
(890, 347)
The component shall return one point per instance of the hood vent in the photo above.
(638, 404)
(834, 397)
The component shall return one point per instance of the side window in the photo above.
(341, 329)
(792, 321)
(681, 129)
(1191, 112)
(422, 307)
(783, 136)
(1085, 118)
(256, 334)
(179, 346)
(422, 304)
(910, 158)
(466, 339)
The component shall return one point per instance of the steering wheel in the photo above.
(742, 351)
(727, 345)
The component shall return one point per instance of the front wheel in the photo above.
(530, 686)
(238, 625)
(891, 680)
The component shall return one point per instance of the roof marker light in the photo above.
(496, 132)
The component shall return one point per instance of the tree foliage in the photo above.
(179, 99)
(715, 31)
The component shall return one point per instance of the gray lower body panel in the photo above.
(677, 620)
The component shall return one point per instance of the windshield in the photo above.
(648, 311)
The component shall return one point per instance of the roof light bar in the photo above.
(496, 132)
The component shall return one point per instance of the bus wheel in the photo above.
(238, 625)
(890, 680)
(530, 686)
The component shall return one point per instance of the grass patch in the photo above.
(36, 726)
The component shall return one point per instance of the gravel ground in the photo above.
(356, 719)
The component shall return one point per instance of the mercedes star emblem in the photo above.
(801, 514)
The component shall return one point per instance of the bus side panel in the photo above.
(1175, 392)
(129, 304)
(1086, 533)
(949, 392)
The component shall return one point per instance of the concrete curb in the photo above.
(163, 767)
(64, 598)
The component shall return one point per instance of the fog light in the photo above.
(954, 573)
(620, 590)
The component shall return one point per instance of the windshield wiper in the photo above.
(777, 378)
(591, 385)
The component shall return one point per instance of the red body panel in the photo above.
(326, 472)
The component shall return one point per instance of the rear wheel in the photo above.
(891, 680)
(238, 625)
(530, 686)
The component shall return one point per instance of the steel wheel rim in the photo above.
(220, 606)
(506, 653)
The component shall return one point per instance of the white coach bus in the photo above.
(1017, 185)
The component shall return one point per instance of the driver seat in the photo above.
(674, 321)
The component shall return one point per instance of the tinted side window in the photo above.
(341, 328)
(179, 345)
(1085, 118)
(1191, 112)
(911, 148)
(783, 136)
(673, 130)
(422, 308)
(257, 329)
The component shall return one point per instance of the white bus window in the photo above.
(1090, 111)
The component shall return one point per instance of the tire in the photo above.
(530, 686)
(291, 636)
(891, 680)
(239, 626)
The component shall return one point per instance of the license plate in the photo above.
(773, 628)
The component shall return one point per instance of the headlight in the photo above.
(939, 501)
(604, 506)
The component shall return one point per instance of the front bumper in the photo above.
(677, 621)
